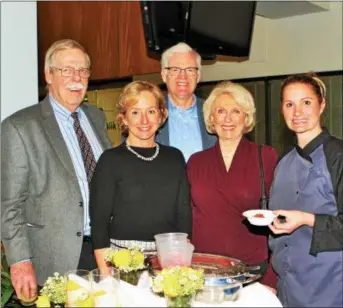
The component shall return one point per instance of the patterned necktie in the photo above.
(86, 149)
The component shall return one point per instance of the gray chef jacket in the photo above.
(308, 262)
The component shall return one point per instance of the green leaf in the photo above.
(5, 275)
(4, 262)
(6, 284)
(5, 296)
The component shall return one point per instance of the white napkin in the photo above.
(133, 296)
(254, 295)
(107, 284)
(144, 281)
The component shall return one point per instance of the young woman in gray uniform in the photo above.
(308, 191)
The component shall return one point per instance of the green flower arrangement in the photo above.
(130, 263)
(179, 284)
(53, 291)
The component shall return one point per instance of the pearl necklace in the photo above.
(142, 157)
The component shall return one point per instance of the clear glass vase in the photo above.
(179, 301)
(131, 277)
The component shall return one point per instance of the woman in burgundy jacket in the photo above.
(225, 181)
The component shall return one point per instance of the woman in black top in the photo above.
(139, 188)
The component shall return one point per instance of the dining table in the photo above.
(252, 295)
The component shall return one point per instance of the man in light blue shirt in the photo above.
(185, 128)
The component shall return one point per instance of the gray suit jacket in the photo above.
(208, 140)
(41, 208)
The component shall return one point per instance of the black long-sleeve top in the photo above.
(133, 199)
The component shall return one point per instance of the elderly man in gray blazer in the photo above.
(185, 128)
(48, 155)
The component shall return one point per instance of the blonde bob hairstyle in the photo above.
(60, 45)
(130, 97)
(242, 97)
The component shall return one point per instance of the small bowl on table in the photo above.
(259, 217)
(219, 289)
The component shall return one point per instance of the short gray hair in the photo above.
(180, 47)
(242, 97)
(62, 45)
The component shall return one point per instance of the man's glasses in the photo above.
(190, 71)
(70, 71)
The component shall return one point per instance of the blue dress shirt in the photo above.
(66, 125)
(184, 130)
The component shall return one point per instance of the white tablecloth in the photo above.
(253, 295)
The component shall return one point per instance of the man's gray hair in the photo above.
(180, 47)
(62, 45)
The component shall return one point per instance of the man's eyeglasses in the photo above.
(70, 71)
(174, 71)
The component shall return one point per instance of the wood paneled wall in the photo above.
(111, 31)
(270, 125)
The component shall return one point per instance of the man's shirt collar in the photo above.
(62, 112)
(172, 107)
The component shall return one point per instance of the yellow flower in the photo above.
(72, 286)
(137, 259)
(122, 258)
(85, 303)
(99, 293)
(172, 286)
(42, 301)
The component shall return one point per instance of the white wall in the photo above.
(311, 42)
(19, 73)
(280, 46)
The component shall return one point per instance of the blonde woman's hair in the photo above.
(130, 97)
(241, 96)
(64, 44)
(180, 47)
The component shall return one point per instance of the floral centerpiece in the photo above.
(53, 291)
(179, 285)
(130, 263)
